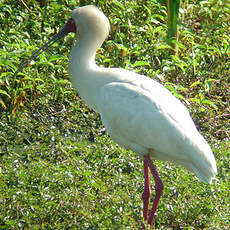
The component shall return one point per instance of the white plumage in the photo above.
(138, 112)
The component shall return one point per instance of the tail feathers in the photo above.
(204, 165)
(206, 174)
(203, 162)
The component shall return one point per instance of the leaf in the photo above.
(117, 5)
(63, 81)
(2, 103)
(179, 96)
(195, 100)
(208, 84)
(162, 47)
(159, 28)
(181, 88)
(22, 74)
(121, 46)
(158, 16)
(5, 93)
(141, 63)
(46, 63)
(194, 84)
(57, 57)
(180, 45)
(5, 62)
(39, 79)
(209, 103)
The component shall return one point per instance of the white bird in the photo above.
(138, 112)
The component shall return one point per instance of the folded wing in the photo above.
(147, 118)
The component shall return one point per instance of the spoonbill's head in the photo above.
(88, 22)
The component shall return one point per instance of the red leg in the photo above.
(158, 188)
(146, 193)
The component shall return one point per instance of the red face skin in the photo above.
(67, 28)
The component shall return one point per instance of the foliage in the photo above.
(58, 168)
(173, 13)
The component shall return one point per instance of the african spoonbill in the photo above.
(139, 113)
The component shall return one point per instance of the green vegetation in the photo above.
(58, 167)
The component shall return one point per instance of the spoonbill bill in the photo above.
(138, 112)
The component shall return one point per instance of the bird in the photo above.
(138, 112)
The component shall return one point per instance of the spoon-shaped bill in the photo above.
(67, 28)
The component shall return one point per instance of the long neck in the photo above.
(82, 56)
(82, 67)
(84, 51)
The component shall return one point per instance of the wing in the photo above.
(134, 115)
(148, 117)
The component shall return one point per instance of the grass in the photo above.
(58, 167)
